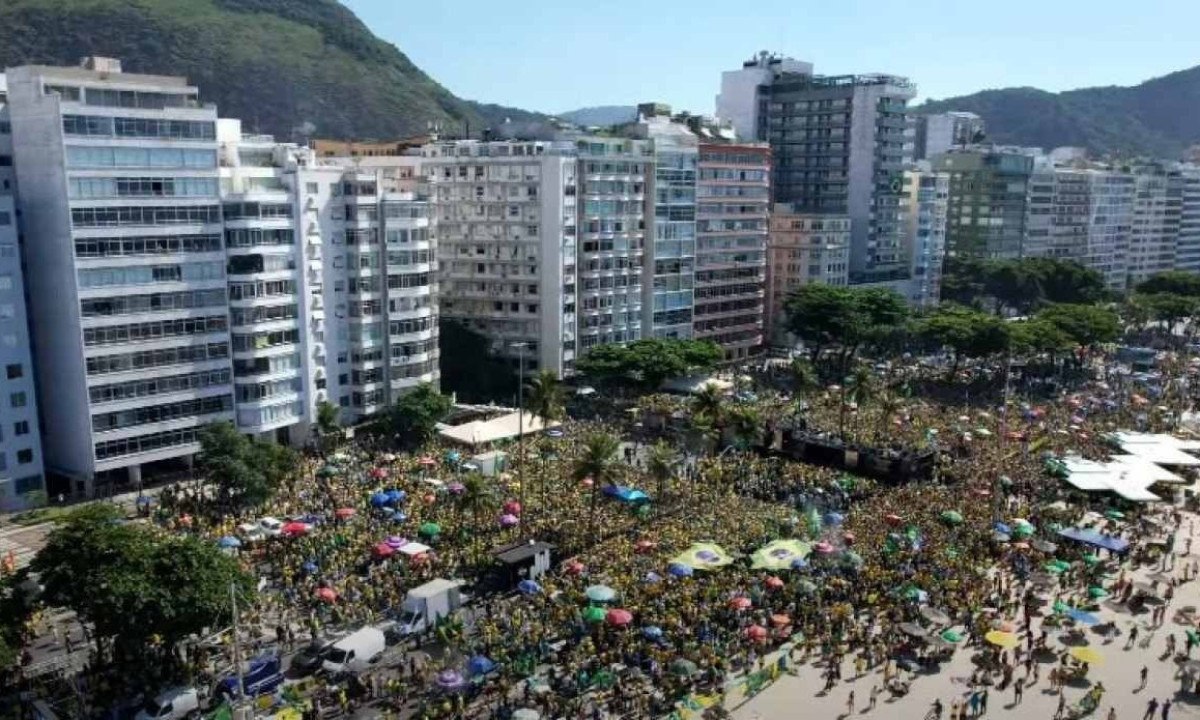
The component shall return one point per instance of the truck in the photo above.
(261, 676)
(425, 605)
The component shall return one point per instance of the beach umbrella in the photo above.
(1044, 546)
(1083, 617)
(600, 593)
(704, 556)
(684, 668)
(1000, 537)
(427, 461)
(652, 578)
(229, 542)
(430, 530)
(834, 518)
(913, 630)
(951, 517)
(384, 550)
(399, 516)
(450, 680)
(951, 636)
(1055, 568)
(453, 456)
(294, 528)
(644, 545)
(456, 488)
(574, 567)
(774, 582)
(378, 473)
(852, 559)
(512, 507)
(618, 617)
(757, 633)
(780, 620)
(329, 595)
(396, 496)
(1091, 559)
(395, 542)
(480, 665)
(593, 614)
(893, 519)
(1088, 655)
(779, 554)
(309, 568)
(528, 587)
(379, 499)
(508, 520)
(741, 602)
(344, 513)
(1097, 592)
(1060, 607)
(823, 548)
(653, 632)
(1002, 639)
(1002, 528)
(935, 616)
(327, 471)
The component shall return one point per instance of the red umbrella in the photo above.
(575, 567)
(741, 602)
(379, 473)
(757, 633)
(645, 545)
(512, 507)
(430, 499)
(618, 617)
(327, 594)
(384, 550)
(343, 513)
(893, 519)
(823, 547)
(774, 582)
(427, 461)
(780, 620)
(294, 528)
(849, 538)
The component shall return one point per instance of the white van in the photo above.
(174, 704)
(355, 652)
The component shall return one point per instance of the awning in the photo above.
(1095, 539)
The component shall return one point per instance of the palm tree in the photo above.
(477, 497)
(804, 377)
(598, 461)
(546, 402)
(746, 425)
(889, 404)
(708, 403)
(661, 466)
(859, 387)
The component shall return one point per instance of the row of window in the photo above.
(150, 274)
(167, 245)
(104, 126)
(261, 288)
(146, 443)
(153, 302)
(144, 359)
(266, 365)
(271, 313)
(103, 422)
(262, 341)
(255, 238)
(94, 187)
(408, 280)
(404, 327)
(157, 386)
(263, 391)
(135, 157)
(139, 215)
(157, 330)
(257, 211)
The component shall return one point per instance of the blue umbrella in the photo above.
(379, 499)
(396, 496)
(143, 500)
(399, 516)
(529, 587)
(1083, 617)
(679, 570)
(229, 541)
(653, 632)
(480, 665)
(653, 577)
(1002, 528)
(309, 567)
(453, 456)
(834, 518)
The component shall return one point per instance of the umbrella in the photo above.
(758, 633)
(618, 617)
(512, 507)
(741, 602)
(430, 529)
(652, 632)
(378, 473)
(228, 542)
(1000, 537)
(396, 542)
(1044, 546)
(456, 488)
(508, 520)
(593, 614)
(913, 630)
(529, 587)
(834, 518)
(600, 593)
(1114, 514)
(823, 548)
(951, 636)
(309, 568)
(1002, 639)
(806, 586)
(1082, 617)
(893, 519)
(396, 496)
(427, 461)
(450, 680)
(935, 616)
(951, 517)
(480, 665)
(379, 499)
(852, 558)
(399, 516)
(1002, 528)
(684, 668)
(704, 556)
(1097, 592)
(327, 594)
(1088, 655)
(774, 582)
(574, 567)
(294, 528)
(343, 513)
(652, 577)
(384, 550)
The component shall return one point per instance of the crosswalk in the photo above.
(18, 543)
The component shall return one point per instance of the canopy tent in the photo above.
(485, 432)
(1126, 475)
(1095, 539)
(1158, 448)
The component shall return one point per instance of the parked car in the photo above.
(310, 657)
(251, 532)
(273, 527)
(174, 704)
(262, 675)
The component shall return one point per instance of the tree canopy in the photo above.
(416, 414)
(1085, 325)
(649, 362)
(246, 471)
(965, 331)
(1019, 286)
(826, 316)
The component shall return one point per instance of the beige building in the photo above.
(802, 248)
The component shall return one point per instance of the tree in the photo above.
(825, 316)
(889, 404)
(1172, 282)
(708, 403)
(1085, 325)
(661, 465)
(477, 498)
(648, 363)
(416, 414)
(546, 398)
(1038, 335)
(965, 331)
(1167, 308)
(1067, 281)
(861, 390)
(226, 459)
(1013, 285)
(598, 461)
(327, 417)
(745, 425)
(804, 377)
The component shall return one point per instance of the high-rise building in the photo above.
(802, 249)
(733, 204)
(941, 132)
(1154, 232)
(925, 207)
(1187, 243)
(119, 198)
(21, 470)
(988, 195)
(740, 101)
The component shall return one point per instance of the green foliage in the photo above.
(327, 417)
(1146, 119)
(1039, 335)
(416, 414)
(1173, 282)
(649, 363)
(965, 331)
(708, 403)
(1085, 325)
(546, 398)
(1166, 307)
(598, 460)
(133, 584)
(276, 64)
(826, 316)
(470, 369)
(1021, 285)
(246, 471)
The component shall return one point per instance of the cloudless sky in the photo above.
(558, 55)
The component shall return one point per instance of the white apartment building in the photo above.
(939, 133)
(120, 201)
(1156, 221)
(925, 208)
(507, 244)
(739, 103)
(1187, 243)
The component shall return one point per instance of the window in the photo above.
(17, 400)
(5, 218)
(24, 456)
(132, 157)
(145, 215)
(117, 247)
(14, 371)
(21, 427)
(5, 160)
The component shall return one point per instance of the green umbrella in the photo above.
(684, 668)
(1097, 592)
(1191, 634)
(1055, 568)
(1061, 607)
(430, 529)
(594, 614)
(1022, 531)
(952, 636)
(1114, 514)
(1091, 559)
(952, 517)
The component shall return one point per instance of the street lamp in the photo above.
(520, 346)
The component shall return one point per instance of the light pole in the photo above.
(520, 346)
(237, 654)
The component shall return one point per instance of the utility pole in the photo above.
(521, 430)
(237, 652)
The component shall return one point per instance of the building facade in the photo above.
(1187, 243)
(802, 248)
(942, 132)
(988, 195)
(926, 208)
(1154, 230)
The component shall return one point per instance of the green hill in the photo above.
(1158, 117)
(279, 65)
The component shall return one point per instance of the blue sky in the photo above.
(551, 55)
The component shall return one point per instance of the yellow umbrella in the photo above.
(1088, 655)
(1002, 639)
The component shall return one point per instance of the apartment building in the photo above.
(733, 189)
(1187, 243)
(942, 132)
(988, 193)
(1154, 230)
(118, 182)
(802, 248)
(925, 207)
(507, 244)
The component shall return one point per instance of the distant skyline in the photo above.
(554, 57)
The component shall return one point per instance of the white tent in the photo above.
(1126, 475)
(484, 432)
